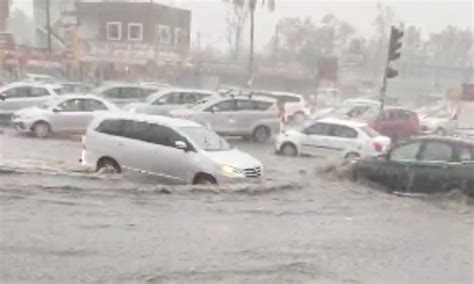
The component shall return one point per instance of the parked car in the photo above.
(74, 87)
(332, 138)
(296, 107)
(21, 95)
(122, 94)
(162, 102)
(436, 120)
(351, 108)
(253, 117)
(178, 150)
(425, 164)
(395, 122)
(40, 78)
(463, 120)
(65, 114)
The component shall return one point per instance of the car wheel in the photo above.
(440, 132)
(108, 166)
(299, 117)
(288, 149)
(204, 179)
(261, 134)
(41, 129)
(350, 157)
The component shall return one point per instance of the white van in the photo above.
(178, 150)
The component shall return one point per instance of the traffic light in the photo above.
(395, 44)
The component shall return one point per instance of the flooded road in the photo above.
(63, 224)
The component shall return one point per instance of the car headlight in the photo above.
(231, 171)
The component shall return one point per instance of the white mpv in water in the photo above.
(178, 150)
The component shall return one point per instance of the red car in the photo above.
(395, 122)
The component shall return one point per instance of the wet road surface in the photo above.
(62, 224)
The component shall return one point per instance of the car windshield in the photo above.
(206, 139)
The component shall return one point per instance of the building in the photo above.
(61, 18)
(133, 33)
(4, 12)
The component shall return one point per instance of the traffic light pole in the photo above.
(393, 54)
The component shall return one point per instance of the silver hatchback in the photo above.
(253, 117)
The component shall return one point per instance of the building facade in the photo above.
(132, 32)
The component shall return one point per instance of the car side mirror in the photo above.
(56, 109)
(3, 97)
(214, 109)
(181, 145)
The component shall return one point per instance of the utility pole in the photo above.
(48, 25)
(251, 54)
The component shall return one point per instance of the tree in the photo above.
(236, 20)
(251, 6)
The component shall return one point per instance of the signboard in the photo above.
(6, 41)
(122, 51)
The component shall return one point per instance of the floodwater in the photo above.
(61, 223)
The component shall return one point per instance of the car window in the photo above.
(169, 99)
(324, 129)
(39, 92)
(344, 132)
(191, 98)
(403, 115)
(111, 126)
(405, 152)
(228, 105)
(163, 135)
(92, 105)
(18, 92)
(131, 93)
(466, 153)
(436, 151)
(245, 105)
(112, 93)
(137, 130)
(262, 105)
(71, 105)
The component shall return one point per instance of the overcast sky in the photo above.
(429, 15)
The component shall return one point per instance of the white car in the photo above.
(162, 102)
(62, 114)
(180, 151)
(296, 107)
(21, 95)
(40, 78)
(123, 93)
(333, 138)
(249, 117)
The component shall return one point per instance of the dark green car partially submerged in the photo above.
(423, 165)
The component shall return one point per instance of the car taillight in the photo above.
(378, 147)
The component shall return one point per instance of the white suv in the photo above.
(180, 151)
(333, 138)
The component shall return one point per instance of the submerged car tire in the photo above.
(204, 179)
(262, 134)
(41, 129)
(108, 165)
(288, 149)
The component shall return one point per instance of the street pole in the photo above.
(252, 38)
(48, 25)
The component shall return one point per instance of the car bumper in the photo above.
(22, 125)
